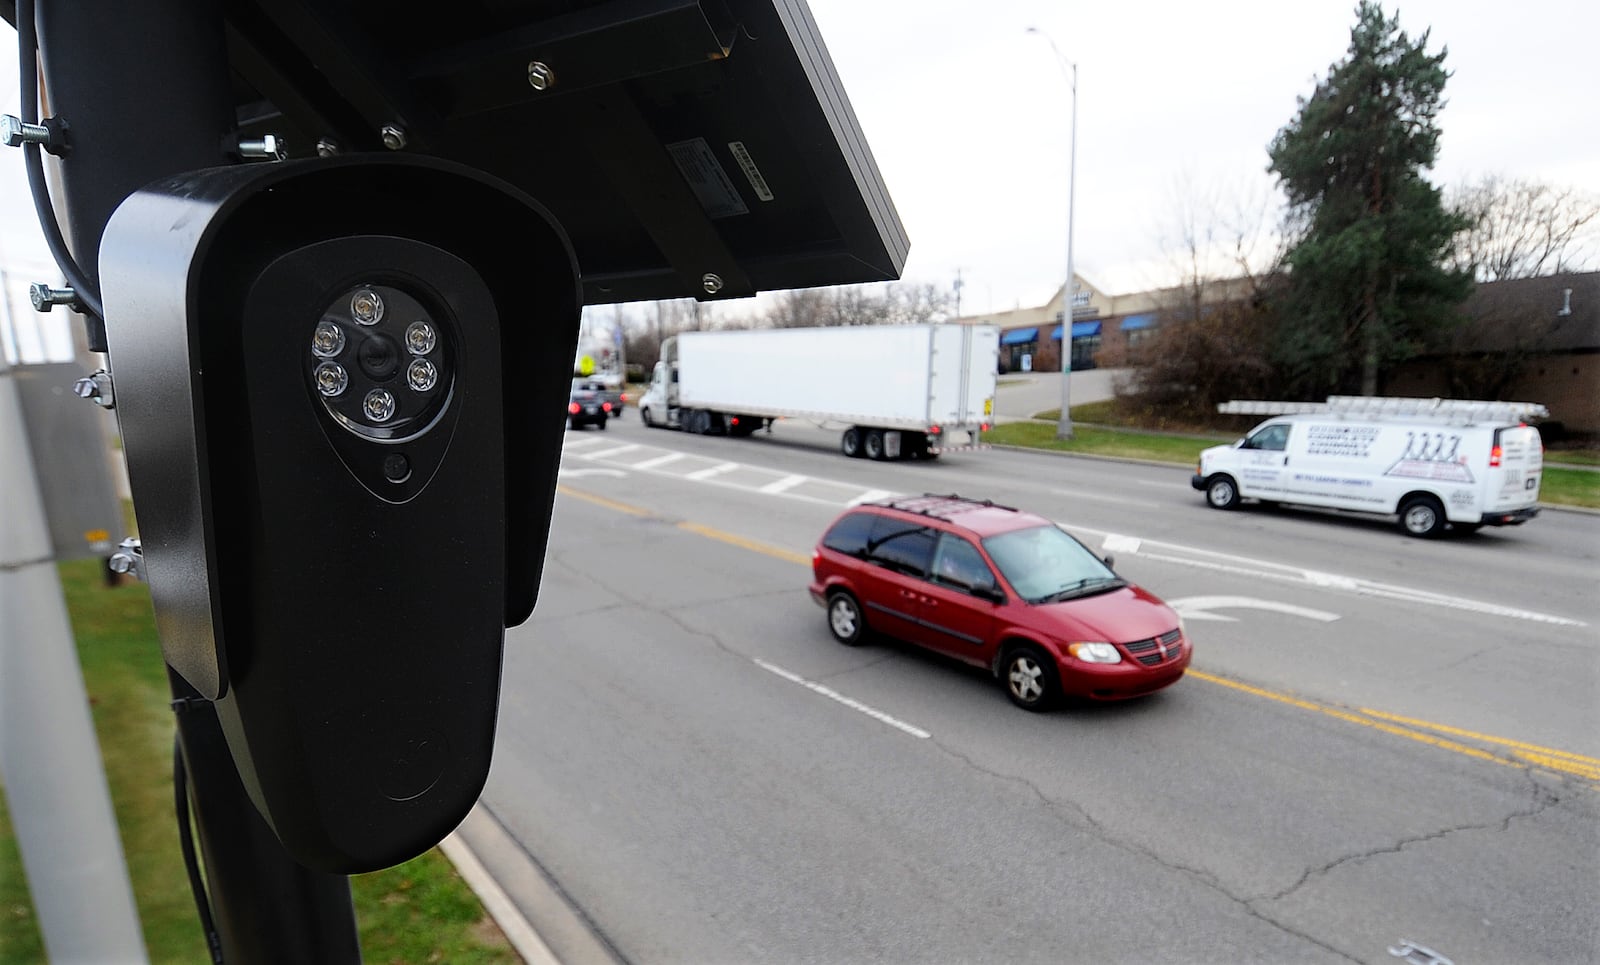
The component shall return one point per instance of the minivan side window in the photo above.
(849, 535)
(957, 563)
(901, 545)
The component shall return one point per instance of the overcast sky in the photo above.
(967, 115)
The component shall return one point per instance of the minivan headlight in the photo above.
(1095, 652)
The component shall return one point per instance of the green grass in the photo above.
(1095, 441)
(417, 912)
(1090, 436)
(1570, 487)
(1573, 457)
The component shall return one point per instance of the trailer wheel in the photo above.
(872, 445)
(1422, 516)
(850, 442)
(1222, 492)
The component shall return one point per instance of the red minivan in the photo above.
(1000, 588)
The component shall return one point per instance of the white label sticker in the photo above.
(709, 182)
(758, 184)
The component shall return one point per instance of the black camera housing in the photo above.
(335, 569)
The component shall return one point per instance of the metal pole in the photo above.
(50, 761)
(1064, 422)
(1064, 425)
(145, 90)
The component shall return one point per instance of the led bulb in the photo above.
(420, 338)
(379, 405)
(421, 375)
(331, 378)
(366, 307)
(328, 340)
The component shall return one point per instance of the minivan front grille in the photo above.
(1150, 651)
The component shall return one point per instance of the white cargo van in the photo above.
(1434, 463)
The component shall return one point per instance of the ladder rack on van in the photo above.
(1465, 411)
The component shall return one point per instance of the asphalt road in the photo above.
(1381, 738)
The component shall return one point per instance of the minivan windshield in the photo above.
(1046, 565)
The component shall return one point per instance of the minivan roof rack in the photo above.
(940, 505)
(1394, 407)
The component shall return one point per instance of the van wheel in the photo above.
(1030, 679)
(1222, 492)
(1422, 516)
(850, 442)
(844, 619)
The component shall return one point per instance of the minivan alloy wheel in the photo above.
(1029, 682)
(844, 619)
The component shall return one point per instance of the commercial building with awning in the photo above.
(1019, 336)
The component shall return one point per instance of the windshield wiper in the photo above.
(1083, 587)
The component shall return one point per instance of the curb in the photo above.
(514, 889)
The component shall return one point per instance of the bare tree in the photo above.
(1523, 229)
(1212, 339)
(917, 304)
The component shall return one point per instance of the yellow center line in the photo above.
(1564, 762)
(749, 544)
(1515, 745)
(602, 501)
(1551, 759)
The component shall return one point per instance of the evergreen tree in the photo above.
(1367, 278)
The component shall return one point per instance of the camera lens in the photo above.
(379, 355)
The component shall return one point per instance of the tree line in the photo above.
(1371, 263)
(1374, 262)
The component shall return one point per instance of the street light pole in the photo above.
(1064, 423)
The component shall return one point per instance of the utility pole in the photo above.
(50, 762)
(1069, 289)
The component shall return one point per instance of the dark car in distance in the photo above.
(998, 588)
(610, 389)
(586, 407)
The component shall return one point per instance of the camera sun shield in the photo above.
(342, 411)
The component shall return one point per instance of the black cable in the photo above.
(28, 64)
(180, 786)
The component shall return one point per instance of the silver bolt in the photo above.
(268, 147)
(540, 76)
(129, 558)
(327, 147)
(15, 133)
(45, 298)
(97, 389)
(712, 282)
(394, 136)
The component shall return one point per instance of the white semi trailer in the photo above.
(895, 391)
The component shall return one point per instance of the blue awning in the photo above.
(1138, 321)
(1079, 330)
(1017, 336)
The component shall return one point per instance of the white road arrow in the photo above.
(1200, 607)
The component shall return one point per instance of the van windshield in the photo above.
(1046, 565)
